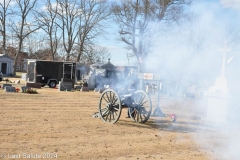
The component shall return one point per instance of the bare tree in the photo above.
(3, 15)
(134, 18)
(232, 36)
(93, 17)
(101, 53)
(98, 54)
(35, 42)
(68, 14)
(43, 54)
(22, 28)
(92, 54)
(81, 22)
(47, 20)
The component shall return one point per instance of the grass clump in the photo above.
(31, 91)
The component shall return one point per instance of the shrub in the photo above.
(31, 91)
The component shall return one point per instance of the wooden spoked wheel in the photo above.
(141, 107)
(110, 106)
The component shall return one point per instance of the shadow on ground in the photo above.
(182, 126)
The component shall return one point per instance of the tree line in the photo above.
(68, 29)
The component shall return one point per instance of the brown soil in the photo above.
(61, 123)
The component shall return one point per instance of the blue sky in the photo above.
(221, 13)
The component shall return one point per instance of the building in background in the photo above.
(6, 64)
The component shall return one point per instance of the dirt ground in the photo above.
(59, 125)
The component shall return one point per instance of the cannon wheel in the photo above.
(110, 107)
(141, 108)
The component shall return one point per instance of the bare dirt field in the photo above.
(59, 125)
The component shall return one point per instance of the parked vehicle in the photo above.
(1, 76)
(49, 72)
(102, 74)
(106, 74)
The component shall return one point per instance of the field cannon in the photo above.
(111, 103)
(138, 102)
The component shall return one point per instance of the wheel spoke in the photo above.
(105, 99)
(116, 109)
(104, 104)
(110, 113)
(110, 96)
(110, 106)
(116, 113)
(144, 102)
(132, 112)
(103, 110)
(138, 116)
(144, 116)
(142, 99)
(142, 106)
(113, 115)
(143, 110)
(105, 113)
(141, 116)
(115, 100)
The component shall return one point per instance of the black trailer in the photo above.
(49, 72)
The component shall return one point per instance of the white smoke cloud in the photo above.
(231, 3)
(193, 50)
